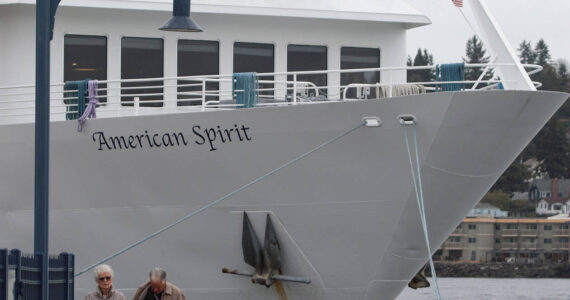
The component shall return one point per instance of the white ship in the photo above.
(170, 138)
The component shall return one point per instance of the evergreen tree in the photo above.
(564, 86)
(527, 55)
(514, 179)
(542, 53)
(475, 54)
(422, 58)
(548, 77)
(553, 150)
(563, 78)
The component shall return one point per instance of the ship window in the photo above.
(254, 57)
(359, 58)
(142, 58)
(197, 58)
(307, 58)
(85, 57)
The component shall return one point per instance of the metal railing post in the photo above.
(17, 290)
(68, 269)
(137, 104)
(4, 274)
(294, 89)
(203, 94)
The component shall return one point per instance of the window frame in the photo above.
(143, 90)
(271, 78)
(209, 85)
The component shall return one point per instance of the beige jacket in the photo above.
(171, 292)
(113, 295)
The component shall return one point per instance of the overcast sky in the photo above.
(532, 20)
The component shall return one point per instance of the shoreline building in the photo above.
(488, 239)
(551, 196)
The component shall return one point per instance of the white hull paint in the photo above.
(346, 215)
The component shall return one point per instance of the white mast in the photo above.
(514, 76)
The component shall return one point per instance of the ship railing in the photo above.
(126, 97)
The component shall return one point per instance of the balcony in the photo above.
(560, 246)
(453, 245)
(511, 232)
(509, 245)
(563, 232)
(528, 246)
(458, 232)
(530, 232)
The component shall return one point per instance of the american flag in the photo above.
(458, 3)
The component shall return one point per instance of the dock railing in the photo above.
(20, 276)
(131, 97)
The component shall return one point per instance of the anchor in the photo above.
(266, 260)
(419, 281)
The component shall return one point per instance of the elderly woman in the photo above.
(104, 278)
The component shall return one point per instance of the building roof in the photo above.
(393, 11)
(515, 220)
(565, 216)
(545, 184)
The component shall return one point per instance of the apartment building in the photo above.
(502, 239)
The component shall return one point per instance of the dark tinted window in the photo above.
(307, 58)
(85, 57)
(254, 57)
(197, 58)
(142, 58)
(359, 58)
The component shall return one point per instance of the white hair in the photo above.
(157, 273)
(102, 269)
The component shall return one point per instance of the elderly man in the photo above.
(104, 279)
(158, 289)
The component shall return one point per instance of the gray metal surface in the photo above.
(346, 216)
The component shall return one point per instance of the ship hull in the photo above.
(346, 215)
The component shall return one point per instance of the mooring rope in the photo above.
(219, 200)
(420, 199)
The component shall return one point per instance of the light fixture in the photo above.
(181, 20)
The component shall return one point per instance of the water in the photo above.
(493, 289)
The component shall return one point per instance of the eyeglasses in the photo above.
(104, 278)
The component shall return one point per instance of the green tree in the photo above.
(422, 58)
(514, 179)
(476, 54)
(563, 78)
(526, 54)
(564, 86)
(553, 150)
(542, 53)
(519, 208)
